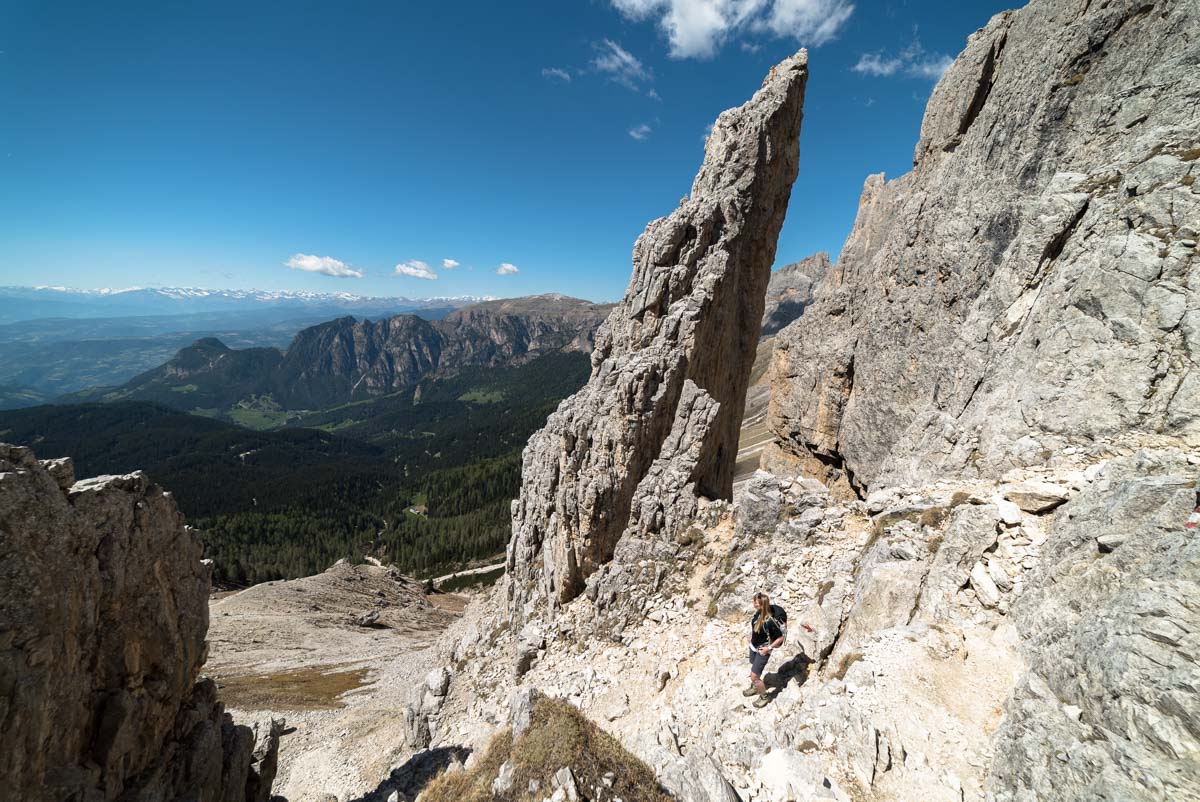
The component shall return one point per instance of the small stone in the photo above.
(504, 779)
(1000, 574)
(1036, 497)
(1009, 512)
(565, 780)
(984, 587)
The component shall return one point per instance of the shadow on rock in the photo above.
(795, 669)
(411, 778)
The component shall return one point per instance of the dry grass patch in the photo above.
(559, 736)
(318, 688)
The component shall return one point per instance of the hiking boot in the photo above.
(761, 701)
(750, 691)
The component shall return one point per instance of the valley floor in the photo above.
(295, 650)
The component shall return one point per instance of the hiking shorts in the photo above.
(758, 662)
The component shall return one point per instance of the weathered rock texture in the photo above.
(1109, 623)
(103, 614)
(792, 289)
(657, 424)
(1032, 283)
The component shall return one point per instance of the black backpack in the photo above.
(780, 615)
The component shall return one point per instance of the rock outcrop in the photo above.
(792, 289)
(656, 426)
(347, 359)
(103, 615)
(1032, 283)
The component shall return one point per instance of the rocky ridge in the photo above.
(656, 426)
(104, 604)
(1031, 284)
(347, 360)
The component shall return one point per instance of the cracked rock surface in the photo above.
(1032, 283)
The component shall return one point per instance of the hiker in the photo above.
(768, 628)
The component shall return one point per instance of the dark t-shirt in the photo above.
(772, 630)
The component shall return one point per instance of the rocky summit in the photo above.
(104, 604)
(1031, 284)
(656, 427)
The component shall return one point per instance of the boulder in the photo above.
(1110, 643)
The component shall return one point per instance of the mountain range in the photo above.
(348, 359)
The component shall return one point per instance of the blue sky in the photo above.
(210, 144)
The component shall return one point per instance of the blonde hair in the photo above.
(764, 610)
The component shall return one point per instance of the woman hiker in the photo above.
(768, 628)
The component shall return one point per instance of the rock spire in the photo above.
(657, 424)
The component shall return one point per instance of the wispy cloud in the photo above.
(698, 28)
(620, 65)
(913, 62)
(640, 132)
(876, 64)
(414, 268)
(322, 264)
(506, 269)
(556, 74)
(932, 67)
(450, 264)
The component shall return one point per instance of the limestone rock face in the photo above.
(103, 615)
(1110, 637)
(657, 424)
(792, 289)
(1032, 283)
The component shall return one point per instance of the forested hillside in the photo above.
(422, 478)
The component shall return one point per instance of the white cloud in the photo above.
(322, 264)
(876, 64)
(912, 61)
(620, 65)
(698, 28)
(507, 269)
(640, 132)
(415, 268)
(813, 22)
(449, 264)
(931, 67)
(556, 74)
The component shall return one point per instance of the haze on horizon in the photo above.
(420, 151)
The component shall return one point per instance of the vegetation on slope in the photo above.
(423, 479)
(559, 736)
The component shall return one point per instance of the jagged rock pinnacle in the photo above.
(657, 424)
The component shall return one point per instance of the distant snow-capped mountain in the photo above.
(32, 303)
